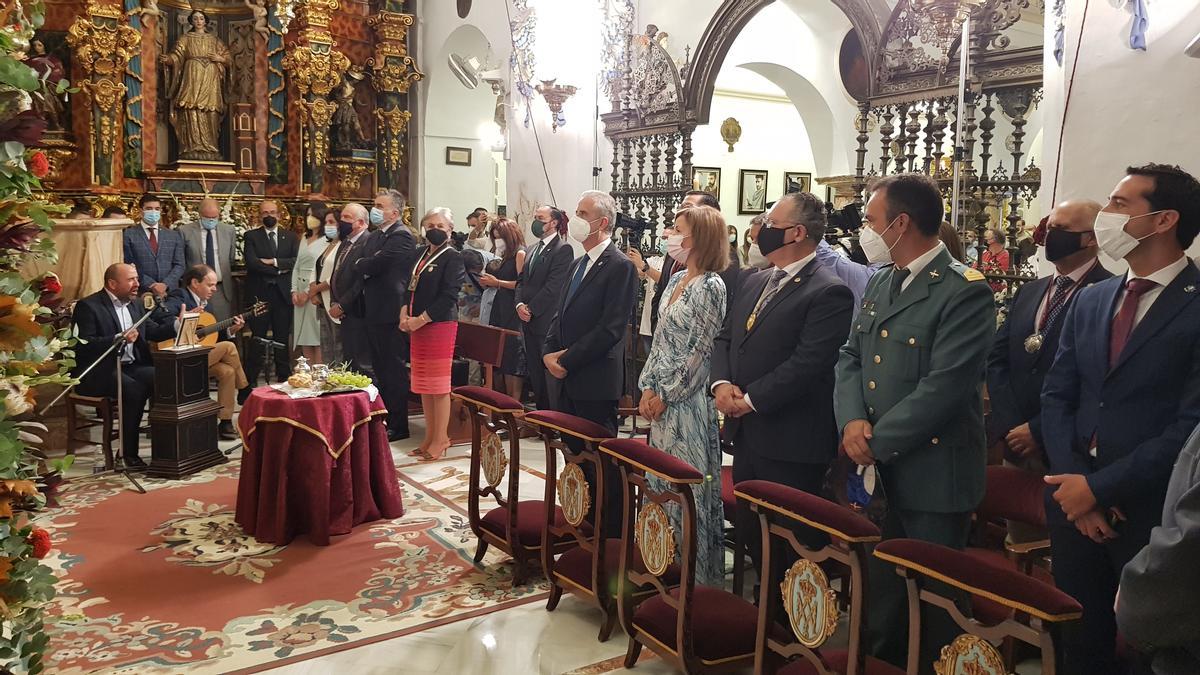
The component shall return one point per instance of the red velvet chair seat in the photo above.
(723, 625)
(569, 424)
(531, 516)
(576, 564)
(490, 399)
(728, 501)
(838, 661)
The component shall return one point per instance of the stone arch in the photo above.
(729, 20)
(814, 110)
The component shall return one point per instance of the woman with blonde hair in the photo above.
(675, 380)
(430, 319)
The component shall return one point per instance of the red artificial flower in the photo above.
(51, 285)
(38, 164)
(41, 542)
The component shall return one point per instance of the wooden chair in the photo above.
(933, 574)
(694, 628)
(807, 597)
(1017, 495)
(78, 424)
(513, 526)
(585, 569)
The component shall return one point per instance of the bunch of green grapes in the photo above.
(348, 379)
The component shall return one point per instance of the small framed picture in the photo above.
(828, 194)
(794, 181)
(708, 179)
(458, 156)
(752, 192)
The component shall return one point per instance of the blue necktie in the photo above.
(210, 252)
(577, 278)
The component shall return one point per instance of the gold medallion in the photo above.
(1033, 343)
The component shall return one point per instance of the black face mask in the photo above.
(269, 221)
(436, 237)
(1061, 243)
(344, 229)
(770, 239)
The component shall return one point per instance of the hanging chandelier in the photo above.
(940, 21)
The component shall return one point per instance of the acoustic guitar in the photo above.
(208, 329)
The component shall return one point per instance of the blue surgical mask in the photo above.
(331, 232)
(151, 217)
(376, 215)
(662, 246)
(208, 223)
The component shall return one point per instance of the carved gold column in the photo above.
(393, 72)
(102, 47)
(315, 67)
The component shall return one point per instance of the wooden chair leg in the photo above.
(480, 550)
(519, 572)
(606, 627)
(556, 592)
(635, 650)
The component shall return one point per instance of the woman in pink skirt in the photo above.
(431, 320)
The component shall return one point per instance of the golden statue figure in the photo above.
(197, 69)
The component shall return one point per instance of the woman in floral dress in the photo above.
(675, 380)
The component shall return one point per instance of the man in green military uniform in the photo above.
(909, 393)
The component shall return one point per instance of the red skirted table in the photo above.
(316, 465)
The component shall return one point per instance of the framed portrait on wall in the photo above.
(794, 181)
(707, 178)
(752, 192)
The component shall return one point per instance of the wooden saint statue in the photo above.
(197, 70)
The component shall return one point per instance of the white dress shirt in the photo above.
(922, 261)
(124, 320)
(146, 229)
(1162, 277)
(792, 270)
(593, 255)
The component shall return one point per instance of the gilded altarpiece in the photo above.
(246, 98)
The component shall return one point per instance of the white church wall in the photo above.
(1127, 106)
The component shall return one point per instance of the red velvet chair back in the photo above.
(933, 574)
(806, 595)
(1014, 494)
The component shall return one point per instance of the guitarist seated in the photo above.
(198, 284)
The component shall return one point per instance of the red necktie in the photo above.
(1122, 324)
(154, 240)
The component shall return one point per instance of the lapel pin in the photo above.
(1189, 289)
(933, 274)
(797, 280)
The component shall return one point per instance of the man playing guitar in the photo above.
(198, 284)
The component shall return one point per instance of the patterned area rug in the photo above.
(166, 581)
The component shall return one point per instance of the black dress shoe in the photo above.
(135, 464)
(226, 431)
(243, 394)
(397, 435)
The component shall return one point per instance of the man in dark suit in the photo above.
(538, 290)
(772, 364)
(1121, 398)
(346, 287)
(386, 264)
(585, 344)
(1027, 341)
(270, 253)
(99, 319)
(909, 395)
(157, 252)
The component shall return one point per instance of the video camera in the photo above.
(632, 231)
(843, 227)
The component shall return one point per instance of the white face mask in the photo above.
(755, 258)
(676, 250)
(1112, 237)
(501, 247)
(580, 228)
(874, 245)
